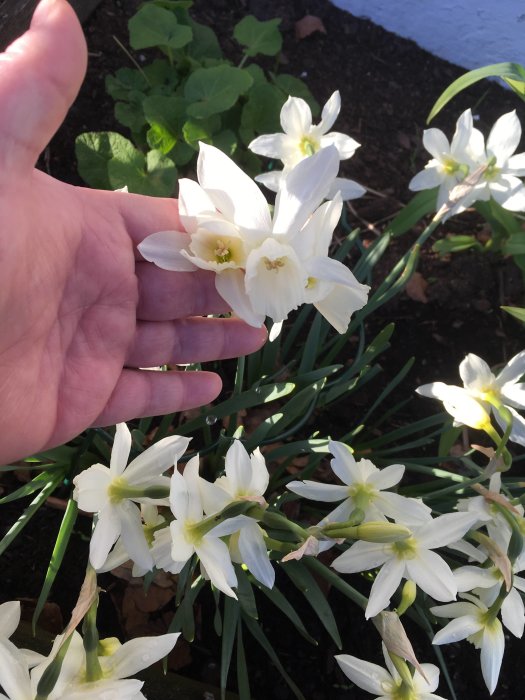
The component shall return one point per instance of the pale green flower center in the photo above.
(492, 171)
(274, 264)
(311, 283)
(451, 166)
(308, 146)
(362, 495)
(405, 549)
(222, 252)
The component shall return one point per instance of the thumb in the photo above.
(40, 75)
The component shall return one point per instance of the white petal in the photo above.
(230, 285)
(343, 464)
(330, 270)
(330, 112)
(461, 609)
(427, 179)
(444, 529)
(339, 305)
(136, 655)
(91, 488)
(181, 549)
(156, 459)
(346, 146)
(517, 433)
(513, 613)
(9, 618)
(409, 511)
(469, 577)
(164, 249)
(493, 647)
(516, 165)
(304, 188)
(270, 145)
(105, 534)
(504, 137)
(132, 534)
(387, 477)
(513, 370)
(475, 373)
(509, 191)
(238, 467)
(255, 555)
(271, 179)
(361, 556)
(458, 629)
(346, 189)
(317, 491)
(120, 451)
(234, 194)
(433, 575)
(275, 279)
(462, 135)
(260, 474)
(14, 674)
(436, 143)
(365, 675)
(193, 202)
(384, 586)
(296, 117)
(214, 556)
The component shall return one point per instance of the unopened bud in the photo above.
(408, 596)
(383, 532)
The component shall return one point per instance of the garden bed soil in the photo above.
(388, 86)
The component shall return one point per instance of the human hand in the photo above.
(79, 310)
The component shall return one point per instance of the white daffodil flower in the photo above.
(471, 620)
(491, 171)
(188, 538)
(247, 479)
(387, 684)
(502, 170)
(483, 392)
(485, 512)
(301, 139)
(364, 489)
(470, 578)
(450, 163)
(411, 558)
(113, 493)
(264, 266)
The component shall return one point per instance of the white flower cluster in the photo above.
(485, 170)
(484, 590)
(196, 517)
(264, 265)
(484, 393)
(23, 672)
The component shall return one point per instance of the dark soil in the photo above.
(388, 86)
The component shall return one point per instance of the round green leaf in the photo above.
(154, 26)
(214, 90)
(259, 37)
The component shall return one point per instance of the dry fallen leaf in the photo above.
(416, 288)
(393, 634)
(309, 24)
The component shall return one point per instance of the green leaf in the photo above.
(260, 114)
(456, 244)
(154, 174)
(243, 681)
(165, 115)
(256, 631)
(214, 90)
(515, 311)
(231, 615)
(419, 206)
(130, 114)
(245, 593)
(195, 130)
(226, 141)
(205, 44)
(295, 87)
(306, 583)
(259, 37)
(124, 81)
(159, 72)
(155, 26)
(447, 438)
(28, 513)
(280, 601)
(62, 540)
(94, 150)
(512, 73)
(35, 484)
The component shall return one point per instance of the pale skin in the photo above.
(80, 311)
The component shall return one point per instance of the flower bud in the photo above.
(408, 596)
(382, 531)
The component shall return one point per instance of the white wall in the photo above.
(470, 33)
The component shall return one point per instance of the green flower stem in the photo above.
(281, 522)
(248, 508)
(336, 581)
(119, 490)
(90, 640)
(515, 546)
(494, 609)
(499, 441)
(277, 546)
(401, 666)
(50, 676)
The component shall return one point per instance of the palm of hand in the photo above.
(72, 295)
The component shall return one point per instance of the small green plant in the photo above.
(190, 94)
